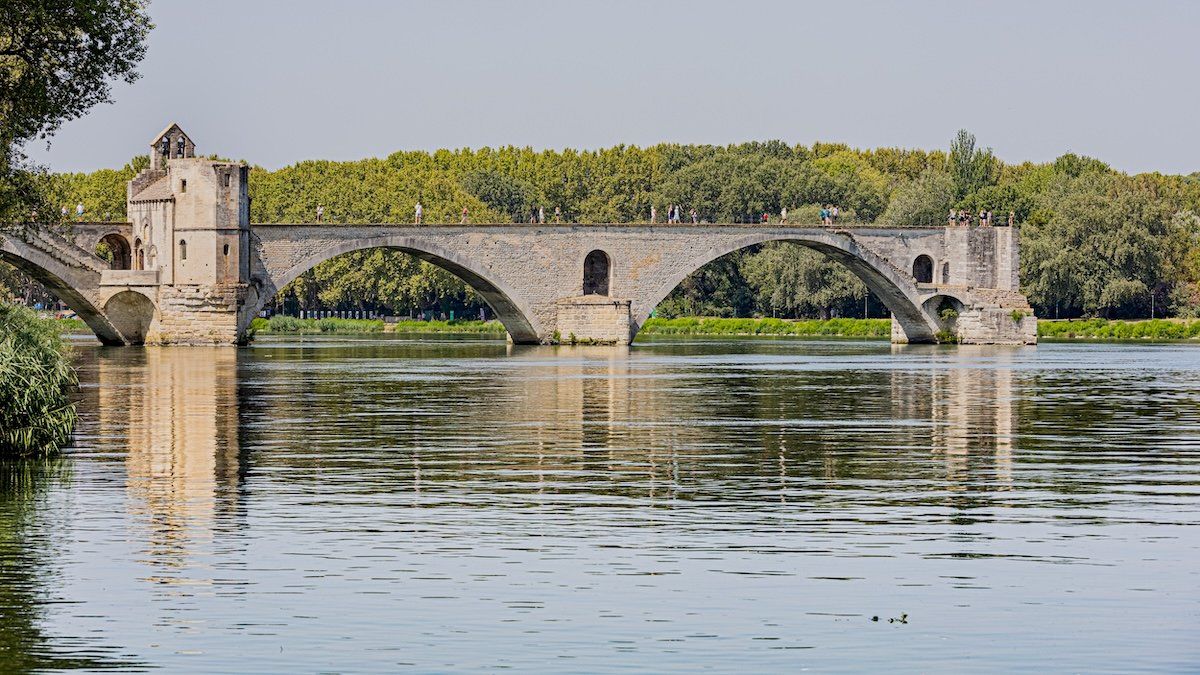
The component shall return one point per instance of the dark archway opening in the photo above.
(596, 273)
(923, 269)
(945, 273)
(139, 255)
(116, 250)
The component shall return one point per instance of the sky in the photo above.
(276, 82)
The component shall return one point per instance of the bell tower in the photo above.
(191, 227)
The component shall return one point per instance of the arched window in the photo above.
(183, 185)
(945, 272)
(595, 273)
(182, 250)
(226, 250)
(139, 255)
(923, 269)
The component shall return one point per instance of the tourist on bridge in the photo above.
(463, 220)
(418, 212)
(541, 215)
(983, 217)
(824, 216)
(320, 213)
(953, 217)
(653, 214)
(557, 215)
(989, 215)
(783, 216)
(695, 217)
(79, 211)
(1012, 218)
(833, 214)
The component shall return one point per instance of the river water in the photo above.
(383, 504)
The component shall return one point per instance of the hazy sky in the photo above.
(278, 82)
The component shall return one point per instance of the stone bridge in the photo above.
(201, 272)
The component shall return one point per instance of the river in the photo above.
(358, 504)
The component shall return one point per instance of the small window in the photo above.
(226, 179)
(226, 250)
(182, 250)
(183, 185)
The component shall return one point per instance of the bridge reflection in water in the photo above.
(177, 413)
(548, 421)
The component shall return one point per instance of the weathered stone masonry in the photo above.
(202, 272)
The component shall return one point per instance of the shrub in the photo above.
(36, 416)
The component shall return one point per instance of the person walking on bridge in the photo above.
(557, 215)
(653, 214)
(320, 213)
(79, 211)
(783, 216)
(463, 220)
(418, 212)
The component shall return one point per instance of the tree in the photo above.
(971, 169)
(57, 58)
(923, 202)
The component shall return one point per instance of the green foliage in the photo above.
(280, 324)
(969, 168)
(57, 58)
(871, 328)
(923, 202)
(1101, 329)
(37, 416)
(1017, 316)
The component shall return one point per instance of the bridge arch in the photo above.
(508, 306)
(64, 282)
(131, 313)
(896, 289)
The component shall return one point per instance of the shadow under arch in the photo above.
(131, 313)
(895, 289)
(512, 312)
(37, 266)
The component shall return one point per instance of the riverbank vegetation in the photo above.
(283, 325)
(36, 378)
(864, 328)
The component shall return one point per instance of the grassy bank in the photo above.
(1102, 329)
(285, 325)
(865, 328)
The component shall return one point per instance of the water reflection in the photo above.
(177, 412)
(447, 506)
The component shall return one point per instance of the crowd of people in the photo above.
(985, 218)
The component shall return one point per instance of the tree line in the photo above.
(1095, 241)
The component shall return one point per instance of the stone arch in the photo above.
(936, 307)
(511, 310)
(894, 288)
(66, 283)
(131, 313)
(922, 269)
(597, 273)
(119, 247)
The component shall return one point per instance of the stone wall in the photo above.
(595, 319)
